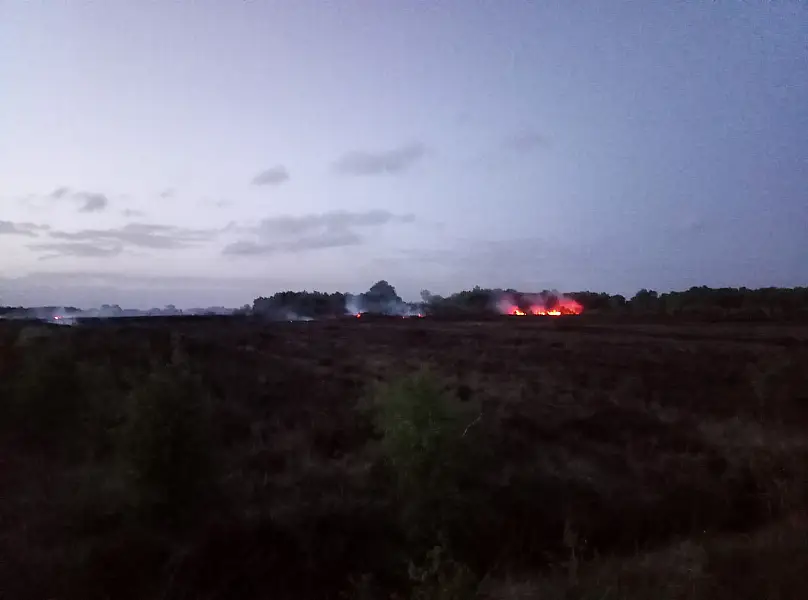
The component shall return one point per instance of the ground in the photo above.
(233, 458)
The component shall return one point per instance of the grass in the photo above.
(214, 459)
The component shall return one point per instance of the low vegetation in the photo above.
(418, 459)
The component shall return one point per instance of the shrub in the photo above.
(428, 443)
(167, 443)
(424, 429)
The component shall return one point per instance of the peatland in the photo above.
(575, 457)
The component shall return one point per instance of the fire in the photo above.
(564, 306)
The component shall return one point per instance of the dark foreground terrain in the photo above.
(521, 458)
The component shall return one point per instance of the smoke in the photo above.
(62, 315)
(354, 305)
(293, 316)
(361, 304)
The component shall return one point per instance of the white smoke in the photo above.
(357, 305)
(354, 305)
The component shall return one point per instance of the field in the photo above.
(514, 458)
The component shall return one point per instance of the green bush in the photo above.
(168, 443)
(425, 432)
(428, 439)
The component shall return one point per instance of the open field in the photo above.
(574, 458)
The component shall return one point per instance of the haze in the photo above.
(204, 153)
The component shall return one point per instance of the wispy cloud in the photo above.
(59, 192)
(92, 201)
(311, 232)
(273, 176)
(76, 249)
(23, 229)
(329, 239)
(86, 201)
(364, 163)
(142, 235)
(168, 193)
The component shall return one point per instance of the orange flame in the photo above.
(565, 306)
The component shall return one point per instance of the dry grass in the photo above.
(771, 563)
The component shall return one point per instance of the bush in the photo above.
(168, 443)
(425, 432)
(428, 443)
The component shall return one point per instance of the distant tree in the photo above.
(244, 310)
(288, 304)
(381, 297)
(593, 301)
(617, 302)
(645, 301)
(383, 292)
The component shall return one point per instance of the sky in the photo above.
(206, 152)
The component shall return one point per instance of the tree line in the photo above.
(698, 302)
(381, 298)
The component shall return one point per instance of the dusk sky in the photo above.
(206, 152)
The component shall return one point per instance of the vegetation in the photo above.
(569, 458)
(702, 303)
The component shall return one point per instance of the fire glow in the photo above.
(562, 307)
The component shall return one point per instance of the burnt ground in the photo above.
(226, 458)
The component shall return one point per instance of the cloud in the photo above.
(524, 142)
(59, 192)
(142, 235)
(333, 239)
(24, 229)
(131, 212)
(383, 162)
(168, 193)
(86, 201)
(92, 201)
(293, 234)
(273, 176)
(77, 249)
(211, 203)
(331, 220)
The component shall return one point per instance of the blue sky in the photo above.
(207, 152)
